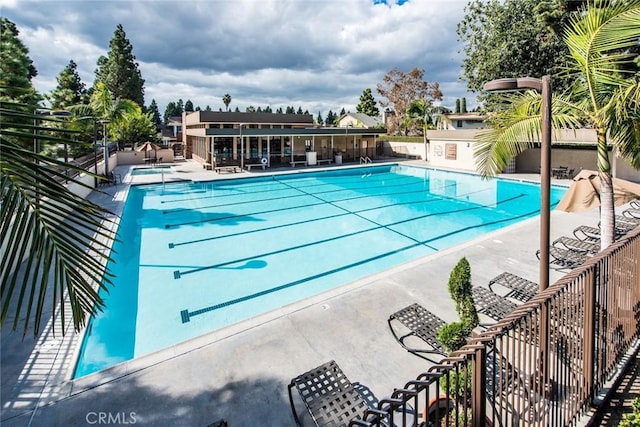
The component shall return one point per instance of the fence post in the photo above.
(478, 389)
(590, 313)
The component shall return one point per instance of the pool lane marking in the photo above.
(293, 224)
(389, 177)
(186, 315)
(177, 273)
(434, 198)
(285, 197)
(406, 236)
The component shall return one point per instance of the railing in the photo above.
(365, 160)
(587, 320)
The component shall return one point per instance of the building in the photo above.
(271, 139)
(360, 120)
(456, 121)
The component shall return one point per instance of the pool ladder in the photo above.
(365, 160)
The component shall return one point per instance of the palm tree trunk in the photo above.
(607, 207)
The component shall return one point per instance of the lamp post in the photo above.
(241, 147)
(95, 153)
(105, 147)
(542, 85)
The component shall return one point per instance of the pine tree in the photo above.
(16, 68)
(458, 105)
(299, 111)
(188, 106)
(319, 120)
(367, 104)
(70, 90)
(463, 105)
(171, 110)
(119, 70)
(331, 118)
(155, 114)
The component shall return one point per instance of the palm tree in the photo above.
(424, 115)
(605, 95)
(53, 241)
(104, 106)
(226, 99)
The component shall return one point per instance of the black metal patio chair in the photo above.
(329, 397)
(491, 304)
(519, 288)
(420, 323)
(565, 259)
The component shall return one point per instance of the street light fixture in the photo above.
(543, 86)
(105, 147)
(241, 147)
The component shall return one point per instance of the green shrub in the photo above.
(460, 283)
(632, 419)
(469, 315)
(453, 335)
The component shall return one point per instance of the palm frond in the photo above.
(517, 128)
(54, 242)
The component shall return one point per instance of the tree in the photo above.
(207, 108)
(16, 68)
(226, 100)
(463, 105)
(367, 104)
(400, 89)
(458, 105)
(605, 95)
(155, 114)
(136, 127)
(47, 228)
(299, 111)
(319, 119)
(421, 115)
(119, 70)
(70, 90)
(104, 106)
(171, 110)
(188, 106)
(331, 118)
(506, 39)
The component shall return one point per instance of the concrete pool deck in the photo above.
(241, 373)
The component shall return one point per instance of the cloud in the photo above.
(318, 55)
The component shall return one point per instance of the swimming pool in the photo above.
(152, 170)
(195, 257)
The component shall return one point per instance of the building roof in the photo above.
(249, 118)
(366, 120)
(297, 131)
(475, 117)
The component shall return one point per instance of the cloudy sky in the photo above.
(318, 55)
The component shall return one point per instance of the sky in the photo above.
(317, 55)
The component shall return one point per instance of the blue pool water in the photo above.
(195, 257)
(152, 171)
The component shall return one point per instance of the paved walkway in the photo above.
(241, 372)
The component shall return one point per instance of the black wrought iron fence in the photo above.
(543, 364)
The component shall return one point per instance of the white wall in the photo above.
(137, 157)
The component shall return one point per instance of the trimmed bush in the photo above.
(453, 335)
(460, 283)
(632, 419)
